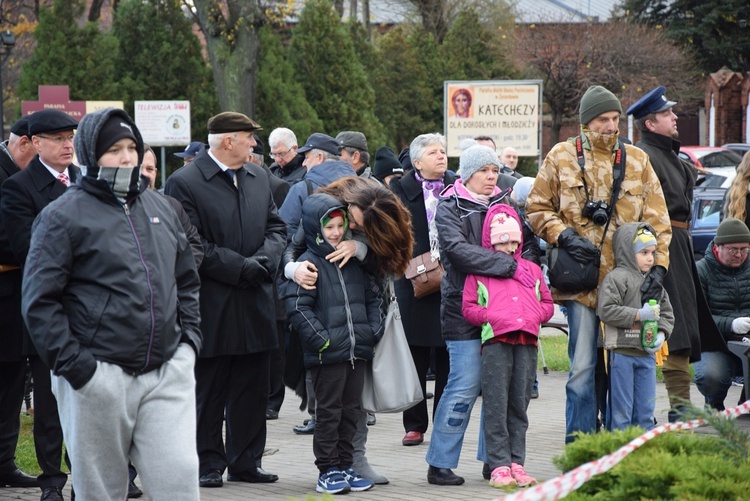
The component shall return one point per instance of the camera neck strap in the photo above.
(618, 171)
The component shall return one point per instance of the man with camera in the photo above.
(586, 188)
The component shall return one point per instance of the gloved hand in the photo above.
(253, 272)
(582, 249)
(657, 344)
(523, 276)
(649, 312)
(741, 325)
(654, 284)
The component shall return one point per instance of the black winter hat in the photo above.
(386, 163)
(114, 129)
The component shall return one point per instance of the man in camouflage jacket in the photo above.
(554, 210)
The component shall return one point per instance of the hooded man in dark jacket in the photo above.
(110, 298)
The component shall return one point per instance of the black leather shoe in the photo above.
(486, 472)
(443, 476)
(272, 414)
(306, 429)
(18, 478)
(258, 476)
(212, 478)
(134, 491)
(52, 494)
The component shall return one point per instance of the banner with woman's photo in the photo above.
(508, 111)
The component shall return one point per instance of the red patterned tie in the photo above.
(63, 179)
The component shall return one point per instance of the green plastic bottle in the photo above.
(650, 329)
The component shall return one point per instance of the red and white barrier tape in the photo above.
(559, 487)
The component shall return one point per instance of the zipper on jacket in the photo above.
(349, 322)
(148, 282)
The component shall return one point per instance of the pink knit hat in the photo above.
(503, 229)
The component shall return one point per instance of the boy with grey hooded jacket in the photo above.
(622, 311)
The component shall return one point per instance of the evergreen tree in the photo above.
(81, 58)
(162, 59)
(406, 86)
(717, 31)
(334, 80)
(280, 98)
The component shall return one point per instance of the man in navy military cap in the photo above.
(657, 124)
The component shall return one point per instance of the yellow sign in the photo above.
(92, 106)
(507, 111)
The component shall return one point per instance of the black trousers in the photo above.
(11, 396)
(416, 418)
(238, 386)
(48, 434)
(338, 390)
(276, 387)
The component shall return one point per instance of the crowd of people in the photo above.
(182, 314)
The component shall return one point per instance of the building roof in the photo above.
(571, 11)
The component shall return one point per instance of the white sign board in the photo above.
(510, 112)
(164, 123)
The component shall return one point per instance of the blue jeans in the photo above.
(632, 391)
(580, 391)
(713, 375)
(454, 410)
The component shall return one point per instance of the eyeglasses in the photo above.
(58, 140)
(280, 155)
(733, 251)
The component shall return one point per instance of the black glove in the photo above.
(654, 284)
(253, 272)
(581, 249)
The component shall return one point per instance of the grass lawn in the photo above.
(25, 453)
(556, 355)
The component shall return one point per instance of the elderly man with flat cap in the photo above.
(229, 201)
(15, 154)
(354, 151)
(657, 124)
(564, 207)
(22, 198)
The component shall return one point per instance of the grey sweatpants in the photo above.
(149, 419)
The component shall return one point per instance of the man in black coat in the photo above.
(22, 198)
(287, 163)
(15, 154)
(230, 203)
(657, 124)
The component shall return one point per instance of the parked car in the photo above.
(716, 166)
(707, 206)
(739, 148)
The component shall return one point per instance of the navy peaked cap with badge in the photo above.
(653, 102)
(319, 141)
(50, 121)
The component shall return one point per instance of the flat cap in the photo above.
(191, 150)
(320, 141)
(50, 121)
(352, 139)
(653, 102)
(258, 149)
(21, 127)
(230, 121)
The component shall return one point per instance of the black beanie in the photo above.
(112, 131)
(386, 163)
(732, 231)
(595, 101)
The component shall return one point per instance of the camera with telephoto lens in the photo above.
(598, 212)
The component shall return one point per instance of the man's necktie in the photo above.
(63, 179)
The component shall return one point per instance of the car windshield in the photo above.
(720, 159)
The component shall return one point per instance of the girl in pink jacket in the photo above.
(510, 311)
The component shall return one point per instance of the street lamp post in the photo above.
(7, 42)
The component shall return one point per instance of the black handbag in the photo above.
(566, 274)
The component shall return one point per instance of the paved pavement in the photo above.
(404, 466)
